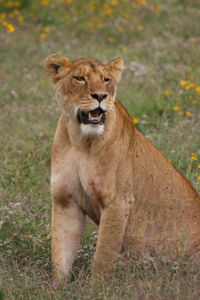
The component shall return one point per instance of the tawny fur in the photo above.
(114, 175)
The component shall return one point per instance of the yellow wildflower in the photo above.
(105, 6)
(42, 36)
(195, 102)
(4, 23)
(45, 2)
(135, 120)
(90, 25)
(187, 87)
(176, 108)
(184, 82)
(69, 1)
(17, 4)
(110, 39)
(198, 177)
(10, 28)
(192, 85)
(193, 40)
(46, 29)
(42, 82)
(198, 166)
(114, 2)
(168, 92)
(108, 11)
(141, 2)
(194, 156)
(188, 114)
(20, 20)
(197, 89)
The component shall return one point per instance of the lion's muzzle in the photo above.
(94, 117)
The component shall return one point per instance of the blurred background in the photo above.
(160, 44)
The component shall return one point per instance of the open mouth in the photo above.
(95, 117)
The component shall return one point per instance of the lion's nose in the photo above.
(99, 97)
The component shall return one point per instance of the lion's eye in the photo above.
(79, 78)
(106, 79)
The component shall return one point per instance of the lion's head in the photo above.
(85, 89)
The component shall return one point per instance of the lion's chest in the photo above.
(93, 180)
(82, 179)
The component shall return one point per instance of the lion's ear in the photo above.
(56, 65)
(115, 67)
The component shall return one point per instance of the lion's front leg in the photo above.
(110, 238)
(67, 228)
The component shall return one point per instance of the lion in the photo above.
(104, 168)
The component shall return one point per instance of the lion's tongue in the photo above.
(94, 115)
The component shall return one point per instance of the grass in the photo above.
(160, 45)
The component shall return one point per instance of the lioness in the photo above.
(104, 168)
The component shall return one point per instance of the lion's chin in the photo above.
(89, 129)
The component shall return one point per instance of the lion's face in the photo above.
(85, 89)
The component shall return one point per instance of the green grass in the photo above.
(160, 50)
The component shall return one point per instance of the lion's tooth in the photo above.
(99, 117)
(90, 116)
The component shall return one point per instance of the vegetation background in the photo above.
(160, 43)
